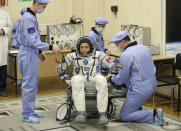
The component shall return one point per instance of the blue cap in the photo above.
(101, 21)
(43, 1)
(23, 10)
(119, 36)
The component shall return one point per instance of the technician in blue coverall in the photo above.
(97, 36)
(14, 36)
(30, 51)
(137, 71)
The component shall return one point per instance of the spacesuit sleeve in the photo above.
(123, 70)
(106, 60)
(62, 67)
(32, 35)
(8, 26)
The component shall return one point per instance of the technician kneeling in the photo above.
(137, 71)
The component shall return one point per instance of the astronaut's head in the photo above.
(85, 46)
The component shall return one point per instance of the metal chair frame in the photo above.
(171, 81)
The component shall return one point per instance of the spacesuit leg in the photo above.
(102, 92)
(78, 93)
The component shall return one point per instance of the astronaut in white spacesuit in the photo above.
(86, 64)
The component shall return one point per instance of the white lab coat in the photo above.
(5, 24)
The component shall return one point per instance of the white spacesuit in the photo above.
(86, 69)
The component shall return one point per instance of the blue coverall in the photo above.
(97, 39)
(137, 71)
(98, 42)
(28, 59)
(14, 36)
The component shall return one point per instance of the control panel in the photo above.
(139, 33)
(65, 35)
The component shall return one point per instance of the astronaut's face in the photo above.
(84, 49)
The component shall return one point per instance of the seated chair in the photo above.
(64, 110)
(171, 80)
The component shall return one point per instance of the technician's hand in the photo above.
(55, 49)
(108, 52)
(1, 32)
(43, 57)
(108, 78)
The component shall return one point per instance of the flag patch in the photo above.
(108, 59)
(31, 30)
(120, 66)
(87, 68)
(97, 68)
(97, 40)
(14, 31)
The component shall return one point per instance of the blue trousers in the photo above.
(28, 63)
(131, 111)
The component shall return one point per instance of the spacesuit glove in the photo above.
(68, 82)
(65, 78)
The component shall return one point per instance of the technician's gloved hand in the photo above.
(55, 49)
(68, 82)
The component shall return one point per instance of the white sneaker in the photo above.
(103, 118)
(81, 117)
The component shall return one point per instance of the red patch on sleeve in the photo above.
(108, 59)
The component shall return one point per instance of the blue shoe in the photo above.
(31, 119)
(159, 121)
(3, 94)
(38, 114)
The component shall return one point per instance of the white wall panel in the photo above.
(57, 11)
(138, 12)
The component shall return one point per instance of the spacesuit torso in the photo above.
(87, 66)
